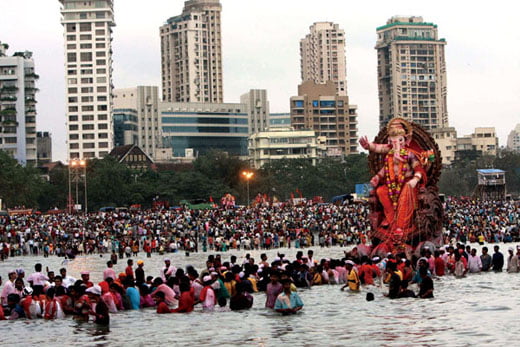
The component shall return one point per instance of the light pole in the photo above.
(83, 164)
(72, 172)
(69, 197)
(247, 175)
(75, 165)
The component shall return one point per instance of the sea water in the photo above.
(475, 310)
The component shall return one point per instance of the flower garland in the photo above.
(393, 182)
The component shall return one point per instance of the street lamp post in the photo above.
(247, 175)
(83, 164)
(69, 197)
(73, 177)
(75, 165)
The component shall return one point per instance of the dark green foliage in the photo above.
(110, 183)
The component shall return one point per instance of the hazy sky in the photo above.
(261, 50)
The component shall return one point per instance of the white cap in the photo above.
(27, 291)
(350, 262)
(207, 278)
(95, 289)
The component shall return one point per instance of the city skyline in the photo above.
(481, 87)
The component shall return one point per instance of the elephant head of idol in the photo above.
(399, 136)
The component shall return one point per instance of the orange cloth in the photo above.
(402, 217)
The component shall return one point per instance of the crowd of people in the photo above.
(242, 228)
(482, 221)
(219, 229)
(228, 285)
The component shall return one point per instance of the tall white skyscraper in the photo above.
(322, 54)
(88, 70)
(18, 105)
(411, 72)
(191, 54)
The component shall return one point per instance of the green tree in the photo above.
(19, 186)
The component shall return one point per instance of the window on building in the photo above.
(85, 26)
(85, 56)
(298, 103)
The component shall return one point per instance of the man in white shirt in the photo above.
(37, 279)
(168, 270)
(67, 280)
(109, 271)
(474, 262)
(8, 287)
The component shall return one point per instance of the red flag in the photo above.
(210, 198)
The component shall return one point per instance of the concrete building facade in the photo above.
(191, 54)
(192, 129)
(284, 143)
(317, 107)
(88, 70)
(513, 139)
(411, 72)
(279, 120)
(257, 107)
(136, 118)
(18, 105)
(446, 139)
(43, 147)
(322, 54)
(484, 139)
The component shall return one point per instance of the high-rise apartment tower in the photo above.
(18, 105)
(136, 118)
(191, 54)
(411, 72)
(88, 72)
(322, 54)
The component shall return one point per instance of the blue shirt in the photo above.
(281, 302)
(135, 298)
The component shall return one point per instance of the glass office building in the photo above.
(200, 127)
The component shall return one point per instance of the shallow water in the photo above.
(478, 309)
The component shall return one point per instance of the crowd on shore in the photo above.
(241, 228)
(228, 285)
(219, 229)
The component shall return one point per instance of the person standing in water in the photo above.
(288, 302)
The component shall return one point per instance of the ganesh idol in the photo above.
(396, 185)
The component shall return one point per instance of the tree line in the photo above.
(110, 183)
